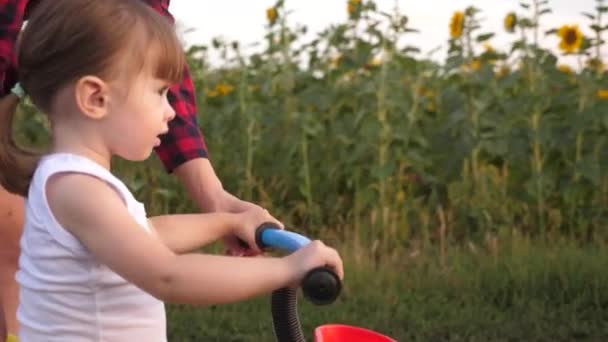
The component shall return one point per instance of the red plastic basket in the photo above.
(347, 333)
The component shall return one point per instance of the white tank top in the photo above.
(65, 294)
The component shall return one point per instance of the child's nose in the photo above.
(170, 113)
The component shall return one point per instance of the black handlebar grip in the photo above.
(321, 286)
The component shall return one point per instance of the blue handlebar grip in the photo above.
(270, 236)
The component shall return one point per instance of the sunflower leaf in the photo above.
(551, 31)
(588, 15)
(526, 23)
(409, 49)
(519, 45)
(484, 37)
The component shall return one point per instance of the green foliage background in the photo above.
(430, 177)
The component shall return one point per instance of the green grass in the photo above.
(530, 293)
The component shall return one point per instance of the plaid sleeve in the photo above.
(11, 20)
(184, 140)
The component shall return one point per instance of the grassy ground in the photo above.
(523, 293)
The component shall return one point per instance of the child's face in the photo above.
(138, 118)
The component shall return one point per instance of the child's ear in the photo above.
(92, 96)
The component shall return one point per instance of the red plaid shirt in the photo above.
(184, 140)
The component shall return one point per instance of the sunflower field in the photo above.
(353, 132)
(473, 191)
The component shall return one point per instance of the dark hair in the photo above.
(65, 40)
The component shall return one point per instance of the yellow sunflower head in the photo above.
(571, 38)
(223, 89)
(271, 15)
(352, 6)
(457, 24)
(595, 64)
(472, 65)
(602, 94)
(503, 71)
(220, 89)
(335, 61)
(566, 69)
(211, 93)
(475, 64)
(510, 22)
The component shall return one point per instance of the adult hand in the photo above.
(234, 245)
(205, 188)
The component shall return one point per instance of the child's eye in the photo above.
(163, 91)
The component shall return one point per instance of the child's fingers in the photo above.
(247, 247)
(329, 257)
(335, 262)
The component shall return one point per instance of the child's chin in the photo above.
(137, 157)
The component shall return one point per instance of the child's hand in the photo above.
(315, 254)
(251, 219)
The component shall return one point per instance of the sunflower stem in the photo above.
(536, 6)
(250, 119)
(598, 37)
(538, 161)
(383, 140)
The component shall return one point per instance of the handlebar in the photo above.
(321, 285)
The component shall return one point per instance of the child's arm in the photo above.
(184, 233)
(187, 232)
(104, 226)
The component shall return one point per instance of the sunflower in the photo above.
(456, 24)
(595, 64)
(475, 64)
(224, 88)
(572, 38)
(351, 6)
(271, 15)
(334, 62)
(430, 100)
(566, 69)
(472, 65)
(376, 61)
(400, 196)
(602, 94)
(221, 89)
(490, 53)
(211, 93)
(510, 22)
(503, 71)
